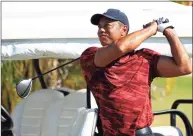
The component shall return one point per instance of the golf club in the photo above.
(23, 88)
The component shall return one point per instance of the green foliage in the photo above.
(182, 90)
(9, 78)
(14, 71)
(186, 3)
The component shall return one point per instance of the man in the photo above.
(120, 77)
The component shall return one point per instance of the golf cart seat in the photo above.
(29, 113)
(166, 131)
(47, 112)
(69, 117)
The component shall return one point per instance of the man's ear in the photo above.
(124, 30)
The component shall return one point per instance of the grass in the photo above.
(181, 90)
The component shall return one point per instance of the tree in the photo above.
(186, 3)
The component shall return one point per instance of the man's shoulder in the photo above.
(90, 50)
(87, 57)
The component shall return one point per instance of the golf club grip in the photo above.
(146, 25)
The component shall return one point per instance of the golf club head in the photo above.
(23, 88)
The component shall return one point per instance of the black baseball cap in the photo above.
(113, 14)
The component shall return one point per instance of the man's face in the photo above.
(110, 31)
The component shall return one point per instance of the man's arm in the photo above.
(107, 54)
(177, 65)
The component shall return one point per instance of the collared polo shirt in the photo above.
(122, 89)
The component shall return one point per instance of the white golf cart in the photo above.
(63, 112)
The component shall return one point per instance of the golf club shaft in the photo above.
(56, 68)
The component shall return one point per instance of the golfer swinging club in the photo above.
(120, 76)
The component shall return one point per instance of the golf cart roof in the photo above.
(61, 32)
(37, 20)
(70, 48)
(44, 48)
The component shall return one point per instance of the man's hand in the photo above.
(163, 23)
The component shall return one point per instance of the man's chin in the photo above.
(105, 43)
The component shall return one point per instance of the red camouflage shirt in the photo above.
(122, 90)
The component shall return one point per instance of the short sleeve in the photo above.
(153, 58)
(87, 62)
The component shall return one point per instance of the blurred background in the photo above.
(164, 91)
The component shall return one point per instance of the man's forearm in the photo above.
(133, 40)
(107, 54)
(178, 51)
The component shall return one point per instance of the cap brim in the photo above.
(96, 18)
